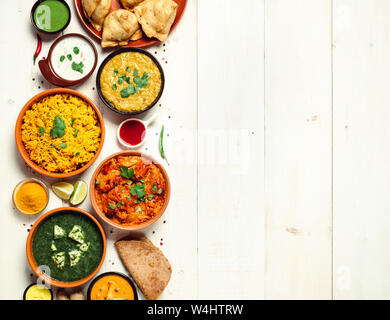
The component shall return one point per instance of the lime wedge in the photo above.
(79, 193)
(63, 190)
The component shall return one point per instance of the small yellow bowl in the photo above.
(21, 183)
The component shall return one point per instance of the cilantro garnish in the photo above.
(41, 131)
(73, 120)
(76, 132)
(78, 67)
(142, 82)
(125, 93)
(160, 191)
(116, 72)
(127, 172)
(138, 210)
(112, 207)
(138, 190)
(77, 154)
(114, 87)
(59, 126)
(128, 69)
(62, 58)
(69, 56)
(76, 50)
(62, 145)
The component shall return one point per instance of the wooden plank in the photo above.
(298, 157)
(361, 149)
(230, 149)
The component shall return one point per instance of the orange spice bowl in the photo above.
(113, 223)
(18, 132)
(35, 267)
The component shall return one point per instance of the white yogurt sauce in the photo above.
(65, 47)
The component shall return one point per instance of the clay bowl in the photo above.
(99, 87)
(47, 70)
(109, 221)
(18, 134)
(31, 259)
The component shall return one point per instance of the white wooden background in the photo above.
(277, 117)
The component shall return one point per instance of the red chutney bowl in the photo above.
(132, 133)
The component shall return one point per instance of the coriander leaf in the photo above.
(138, 210)
(111, 206)
(62, 58)
(120, 81)
(69, 56)
(125, 93)
(135, 72)
(145, 76)
(138, 190)
(76, 133)
(128, 198)
(128, 69)
(126, 172)
(76, 50)
(114, 87)
(118, 205)
(160, 191)
(77, 154)
(97, 181)
(78, 67)
(140, 82)
(73, 120)
(62, 145)
(41, 131)
(59, 126)
(151, 196)
(116, 72)
(154, 187)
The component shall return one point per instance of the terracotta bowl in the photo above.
(109, 221)
(46, 65)
(18, 133)
(31, 259)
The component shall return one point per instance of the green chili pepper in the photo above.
(161, 145)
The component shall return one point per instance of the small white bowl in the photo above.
(124, 143)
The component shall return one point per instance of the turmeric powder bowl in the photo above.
(30, 196)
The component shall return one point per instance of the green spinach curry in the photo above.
(70, 244)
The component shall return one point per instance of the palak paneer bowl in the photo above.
(59, 133)
(130, 190)
(130, 81)
(66, 247)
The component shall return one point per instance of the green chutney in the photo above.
(45, 245)
(51, 15)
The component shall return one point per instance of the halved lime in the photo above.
(79, 193)
(63, 190)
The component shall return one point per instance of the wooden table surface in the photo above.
(276, 130)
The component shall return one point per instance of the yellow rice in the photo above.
(44, 150)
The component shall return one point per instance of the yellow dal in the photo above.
(133, 60)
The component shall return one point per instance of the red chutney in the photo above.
(132, 132)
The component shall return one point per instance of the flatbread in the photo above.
(147, 265)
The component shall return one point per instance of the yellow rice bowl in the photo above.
(75, 148)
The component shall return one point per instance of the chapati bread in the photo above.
(156, 17)
(147, 265)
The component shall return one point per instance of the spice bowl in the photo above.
(30, 197)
